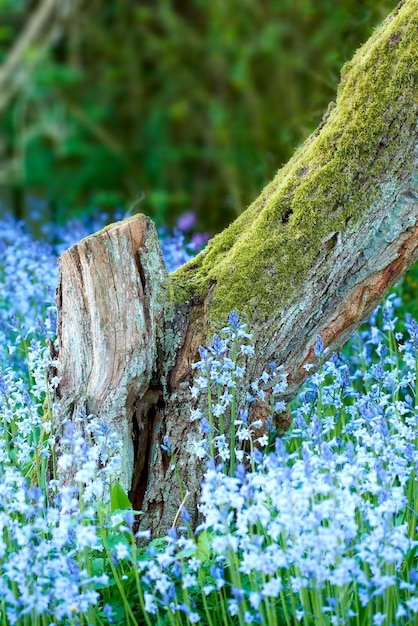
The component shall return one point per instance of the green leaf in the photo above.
(204, 546)
(114, 538)
(119, 500)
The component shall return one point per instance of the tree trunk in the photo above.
(312, 255)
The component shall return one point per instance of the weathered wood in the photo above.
(313, 255)
(111, 296)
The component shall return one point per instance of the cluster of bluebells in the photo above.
(316, 527)
(27, 279)
(28, 276)
(321, 527)
(25, 429)
(333, 506)
(41, 573)
(48, 526)
(229, 425)
(218, 374)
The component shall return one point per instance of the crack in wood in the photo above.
(145, 419)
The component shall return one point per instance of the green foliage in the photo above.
(407, 289)
(119, 501)
(189, 105)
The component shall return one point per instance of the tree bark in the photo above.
(314, 254)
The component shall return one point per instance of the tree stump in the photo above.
(111, 298)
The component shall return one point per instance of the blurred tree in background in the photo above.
(171, 105)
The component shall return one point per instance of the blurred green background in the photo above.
(164, 106)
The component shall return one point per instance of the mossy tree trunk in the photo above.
(312, 255)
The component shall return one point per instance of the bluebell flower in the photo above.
(108, 611)
(205, 426)
(185, 515)
(233, 320)
(319, 347)
(167, 446)
(172, 533)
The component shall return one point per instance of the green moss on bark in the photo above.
(365, 142)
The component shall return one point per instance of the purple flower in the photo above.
(185, 515)
(198, 241)
(186, 221)
(108, 611)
